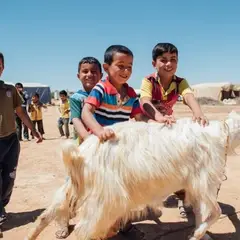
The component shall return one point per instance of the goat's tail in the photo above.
(74, 163)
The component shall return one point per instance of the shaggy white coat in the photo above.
(145, 164)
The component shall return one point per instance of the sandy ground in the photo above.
(41, 172)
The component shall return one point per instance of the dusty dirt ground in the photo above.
(41, 172)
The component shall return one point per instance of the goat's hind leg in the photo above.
(62, 220)
(57, 210)
(42, 222)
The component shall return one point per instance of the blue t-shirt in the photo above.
(76, 103)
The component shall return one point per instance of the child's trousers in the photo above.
(9, 154)
(63, 122)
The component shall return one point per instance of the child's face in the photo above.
(121, 68)
(1, 67)
(89, 75)
(34, 99)
(63, 97)
(19, 89)
(166, 64)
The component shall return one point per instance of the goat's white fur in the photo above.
(144, 165)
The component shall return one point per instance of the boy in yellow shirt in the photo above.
(64, 110)
(35, 110)
(160, 90)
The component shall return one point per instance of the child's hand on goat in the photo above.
(105, 134)
(201, 119)
(167, 120)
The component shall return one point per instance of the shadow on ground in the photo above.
(152, 230)
(20, 219)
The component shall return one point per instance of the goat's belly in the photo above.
(154, 192)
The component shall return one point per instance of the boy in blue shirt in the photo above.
(89, 73)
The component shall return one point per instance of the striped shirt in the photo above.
(110, 108)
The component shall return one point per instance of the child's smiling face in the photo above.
(166, 64)
(120, 69)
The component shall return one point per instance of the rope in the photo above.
(226, 129)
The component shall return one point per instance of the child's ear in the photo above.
(101, 75)
(105, 67)
(78, 76)
(154, 63)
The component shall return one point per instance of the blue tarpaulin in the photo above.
(44, 91)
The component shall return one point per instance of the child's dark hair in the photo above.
(63, 92)
(20, 85)
(35, 95)
(162, 48)
(2, 58)
(90, 60)
(109, 53)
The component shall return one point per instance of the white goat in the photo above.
(143, 166)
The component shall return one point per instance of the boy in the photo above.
(64, 110)
(35, 110)
(160, 90)
(9, 144)
(89, 73)
(112, 100)
(19, 122)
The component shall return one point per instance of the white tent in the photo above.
(210, 90)
(43, 90)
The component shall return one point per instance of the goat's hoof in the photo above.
(62, 233)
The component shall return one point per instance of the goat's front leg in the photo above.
(202, 227)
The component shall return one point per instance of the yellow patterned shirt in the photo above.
(64, 109)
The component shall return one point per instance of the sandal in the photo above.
(183, 212)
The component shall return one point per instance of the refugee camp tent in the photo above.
(216, 91)
(227, 92)
(236, 90)
(44, 91)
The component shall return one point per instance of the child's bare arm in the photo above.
(142, 118)
(80, 128)
(87, 116)
(150, 110)
(196, 109)
(30, 108)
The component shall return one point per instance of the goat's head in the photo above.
(233, 122)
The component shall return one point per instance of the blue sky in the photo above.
(43, 41)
